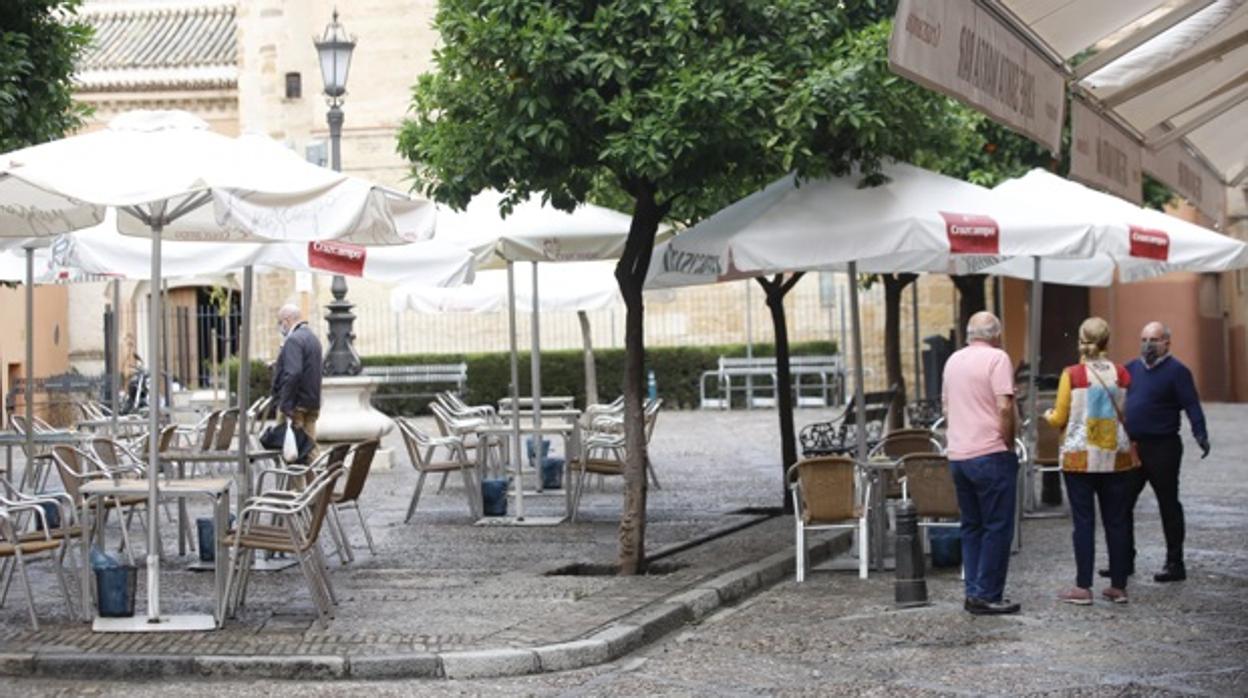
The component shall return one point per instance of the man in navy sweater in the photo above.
(1161, 388)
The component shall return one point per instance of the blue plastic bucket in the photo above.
(206, 528)
(946, 545)
(114, 590)
(552, 474)
(494, 497)
(528, 445)
(52, 513)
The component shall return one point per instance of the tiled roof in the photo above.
(160, 45)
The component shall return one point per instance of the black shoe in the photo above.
(980, 607)
(1171, 573)
(1104, 572)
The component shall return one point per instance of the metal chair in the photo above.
(422, 450)
(361, 462)
(294, 528)
(825, 497)
(18, 548)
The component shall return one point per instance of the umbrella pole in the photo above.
(860, 433)
(515, 389)
(918, 363)
(27, 474)
(1033, 426)
(244, 388)
(153, 408)
(116, 377)
(535, 361)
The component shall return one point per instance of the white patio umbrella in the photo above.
(102, 251)
(571, 287)
(1139, 243)
(917, 221)
(532, 232)
(168, 174)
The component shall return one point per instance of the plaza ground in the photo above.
(439, 584)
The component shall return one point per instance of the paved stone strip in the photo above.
(609, 642)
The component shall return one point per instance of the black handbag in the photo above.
(273, 438)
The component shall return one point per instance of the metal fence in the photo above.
(816, 309)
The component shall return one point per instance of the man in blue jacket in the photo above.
(297, 373)
(1161, 388)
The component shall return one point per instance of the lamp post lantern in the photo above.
(334, 51)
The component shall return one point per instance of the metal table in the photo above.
(180, 457)
(94, 492)
(570, 432)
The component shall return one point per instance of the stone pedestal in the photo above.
(348, 415)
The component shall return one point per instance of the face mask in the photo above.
(283, 330)
(1150, 352)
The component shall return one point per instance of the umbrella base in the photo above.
(526, 521)
(166, 624)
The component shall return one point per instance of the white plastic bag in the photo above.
(290, 449)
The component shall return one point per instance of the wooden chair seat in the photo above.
(28, 548)
(56, 533)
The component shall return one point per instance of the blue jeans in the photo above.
(987, 487)
(1112, 491)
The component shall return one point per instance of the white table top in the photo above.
(213, 486)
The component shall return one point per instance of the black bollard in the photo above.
(910, 586)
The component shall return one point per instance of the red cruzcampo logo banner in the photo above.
(336, 257)
(971, 233)
(1150, 244)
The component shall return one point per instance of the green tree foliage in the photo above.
(39, 42)
(682, 105)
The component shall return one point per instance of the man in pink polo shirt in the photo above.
(979, 412)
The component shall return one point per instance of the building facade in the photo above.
(250, 66)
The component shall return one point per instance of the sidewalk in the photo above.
(444, 597)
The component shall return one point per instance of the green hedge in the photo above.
(677, 371)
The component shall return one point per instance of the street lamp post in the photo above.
(334, 50)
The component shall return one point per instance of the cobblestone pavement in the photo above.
(836, 635)
(440, 583)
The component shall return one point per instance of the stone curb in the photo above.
(611, 641)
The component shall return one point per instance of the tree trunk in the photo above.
(894, 284)
(776, 289)
(631, 275)
(591, 371)
(971, 300)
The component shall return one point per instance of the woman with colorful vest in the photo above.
(1096, 458)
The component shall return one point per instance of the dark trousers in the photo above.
(987, 487)
(1112, 492)
(1160, 459)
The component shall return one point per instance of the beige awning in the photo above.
(1159, 86)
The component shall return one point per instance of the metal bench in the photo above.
(840, 436)
(817, 381)
(438, 376)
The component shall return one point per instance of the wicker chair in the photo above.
(929, 484)
(898, 444)
(825, 497)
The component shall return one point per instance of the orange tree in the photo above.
(677, 107)
(39, 42)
